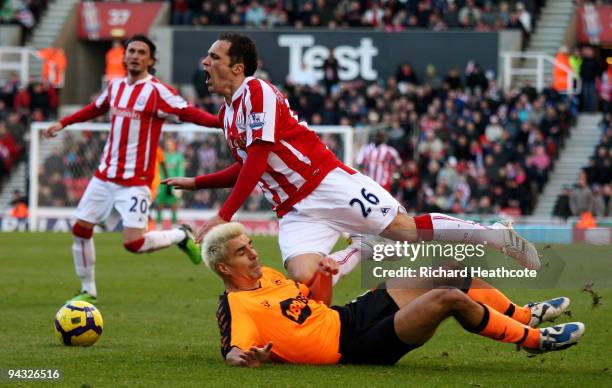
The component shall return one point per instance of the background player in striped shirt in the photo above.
(263, 316)
(379, 161)
(138, 104)
(315, 195)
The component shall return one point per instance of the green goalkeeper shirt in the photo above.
(175, 165)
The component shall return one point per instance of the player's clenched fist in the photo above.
(328, 266)
(181, 183)
(53, 130)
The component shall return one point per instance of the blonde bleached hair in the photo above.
(213, 245)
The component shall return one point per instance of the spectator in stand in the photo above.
(9, 89)
(560, 70)
(525, 18)
(431, 77)
(115, 68)
(373, 17)
(581, 199)
(515, 24)
(589, 71)
(599, 205)
(40, 99)
(476, 78)
(494, 131)
(604, 87)
(489, 14)
(451, 15)
(9, 152)
(181, 12)
(54, 66)
(353, 16)
(19, 209)
(606, 193)
(453, 78)
(330, 72)
(18, 131)
(575, 60)
(469, 15)
(304, 76)
(255, 14)
(562, 207)
(405, 73)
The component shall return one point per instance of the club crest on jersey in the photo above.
(141, 100)
(385, 210)
(240, 122)
(256, 120)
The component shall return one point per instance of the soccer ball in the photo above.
(78, 323)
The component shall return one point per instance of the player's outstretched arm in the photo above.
(199, 117)
(90, 111)
(252, 358)
(181, 183)
(254, 167)
(52, 130)
(217, 180)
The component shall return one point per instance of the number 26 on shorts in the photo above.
(368, 197)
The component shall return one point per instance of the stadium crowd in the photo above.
(466, 146)
(24, 13)
(391, 15)
(591, 192)
(20, 105)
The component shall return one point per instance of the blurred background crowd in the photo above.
(462, 144)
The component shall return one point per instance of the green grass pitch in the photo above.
(160, 328)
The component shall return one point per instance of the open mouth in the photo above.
(207, 77)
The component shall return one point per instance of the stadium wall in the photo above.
(365, 54)
(9, 35)
(61, 220)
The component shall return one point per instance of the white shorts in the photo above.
(131, 202)
(341, 203)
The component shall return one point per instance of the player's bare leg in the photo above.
(416, 322)
(84, 257)
(173, 217)
(303, 267)
(445, 228)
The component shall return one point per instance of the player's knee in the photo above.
(79, 230)
(450, 297)
(302, 268)
(134, 246)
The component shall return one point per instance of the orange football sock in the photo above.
(494, 298)
(500, 327)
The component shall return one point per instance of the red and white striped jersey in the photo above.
(298, 161)
(138, 112)
(379, 162)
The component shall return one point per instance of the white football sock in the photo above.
(451, 229)
(155, 240)
(348, 259)
(84, 256)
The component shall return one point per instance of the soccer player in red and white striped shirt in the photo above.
(379, 161)
(315, 196)
(138, 105)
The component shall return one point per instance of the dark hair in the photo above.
(152, 49)
(242, 50)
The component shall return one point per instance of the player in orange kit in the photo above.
(263, 316)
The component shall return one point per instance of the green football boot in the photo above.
(85, 297)
(189, 246)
